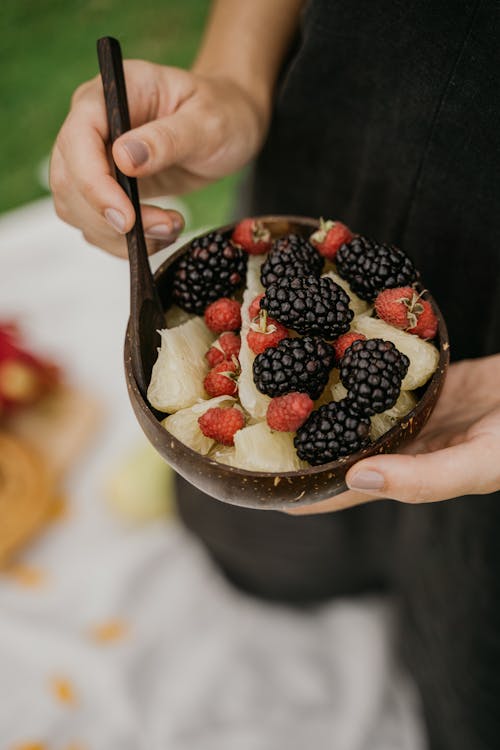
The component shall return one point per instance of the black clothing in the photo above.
(388, 118)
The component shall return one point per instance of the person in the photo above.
(384, 115)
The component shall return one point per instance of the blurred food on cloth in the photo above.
(44, 427)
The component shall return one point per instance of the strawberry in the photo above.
(343, 342)
(287, 413)
(405, 308)
(221, 424)
(225, 347)
(221, 380)
(265, 332)
(329, 237)
(254, 308)
(223, 315)
(252, 236)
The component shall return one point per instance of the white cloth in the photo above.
(200, 666)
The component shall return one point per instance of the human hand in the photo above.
(457, 453)
(187, 130)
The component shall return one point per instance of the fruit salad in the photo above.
(282, 353)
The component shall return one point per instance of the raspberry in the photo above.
(427, 324)
(227, 346)
(404, 308)
(252, 236)
(265, 332)
(254, 308)
(287, 413)
(221, 424)
(329, 237)
(221, 380)
(309, 305)
(332, 431)
(223, 315)
(344, 342)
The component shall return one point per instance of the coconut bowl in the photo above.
(263, 490)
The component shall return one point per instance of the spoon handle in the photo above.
(143, 293)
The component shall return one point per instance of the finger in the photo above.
(85, 171)
(467, 468)
(338, 502)
(162, 143)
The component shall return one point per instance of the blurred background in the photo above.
(117, 632)
(48, 49)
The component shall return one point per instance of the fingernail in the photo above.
(162, 232)
(366, 480)
(138, 152)
(177, 223)
(116, 219)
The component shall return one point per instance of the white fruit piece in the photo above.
(253, 285)
(326, 396)
(184, 424)
(339, 392)
(252, 400)
(423, 356)
(179, 371)
(381, 423)
(258, 448)
(175, 316)
(224, 454)
(356, 304)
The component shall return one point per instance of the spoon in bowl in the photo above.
(146, 312)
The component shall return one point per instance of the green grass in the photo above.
(48, 48)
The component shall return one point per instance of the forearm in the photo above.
(246, 40)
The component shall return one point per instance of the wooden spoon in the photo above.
(146, 313)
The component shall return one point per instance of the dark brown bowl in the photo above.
(252, 489)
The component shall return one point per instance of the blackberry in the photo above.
(370, 267)
(212, 268)
(372, 371)
(301, 365)
(290, 256)
(309, 305)
(332, 431)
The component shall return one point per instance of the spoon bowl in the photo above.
(265, 490)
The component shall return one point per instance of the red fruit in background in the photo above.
(221, 380)
(329, 237)
(223, 315)
(343, 342)
(24, 377)
(288, 413)
(226, 346)
(252, 236)
(221, 424)
(254, 308)
(404, 308)
(265, 332)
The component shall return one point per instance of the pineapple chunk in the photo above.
(252, 400)
(258, 448)
(423, 356)
(178, 373)
(381, 423)
(184, 424)
(339, 392)
(356, 304)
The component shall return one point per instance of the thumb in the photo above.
(467, 468)
(157, 145)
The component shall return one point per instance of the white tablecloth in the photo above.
(187, 663)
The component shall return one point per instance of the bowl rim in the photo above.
(373, 448)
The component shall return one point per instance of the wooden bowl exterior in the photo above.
(275, 491)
